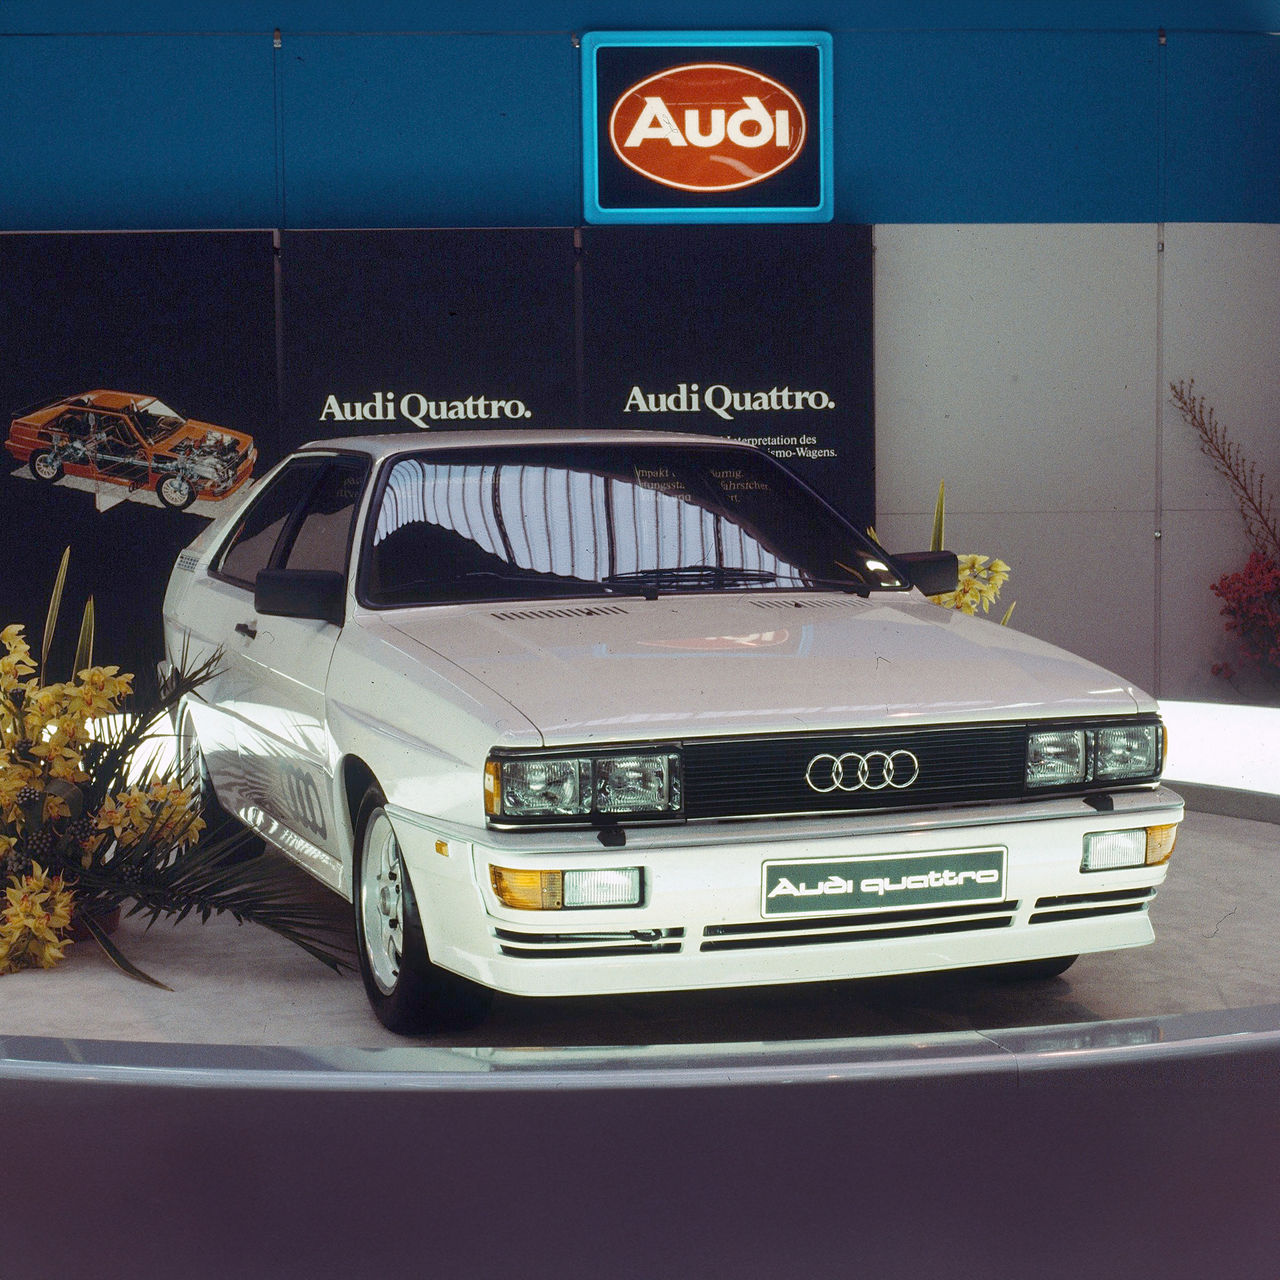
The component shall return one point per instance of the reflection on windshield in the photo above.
(517, 523)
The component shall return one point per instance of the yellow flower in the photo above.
(97, 691)
(176, 819)
(980, 581)
(12, 639)
(37, 911)
(13, 777)
(125, 815)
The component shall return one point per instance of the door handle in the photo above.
(247, 629)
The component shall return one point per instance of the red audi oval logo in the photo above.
(707, 126)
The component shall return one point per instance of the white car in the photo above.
(584, 712)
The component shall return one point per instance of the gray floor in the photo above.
(1215, 923)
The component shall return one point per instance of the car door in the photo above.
(287, 756)
(218, 624)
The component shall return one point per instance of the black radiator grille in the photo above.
(742, 777)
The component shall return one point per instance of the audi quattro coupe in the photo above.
(133, 440)
(583, 712)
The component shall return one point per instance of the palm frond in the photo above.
(84, 645)
(214, 878)
(113, 953)
(51, 614)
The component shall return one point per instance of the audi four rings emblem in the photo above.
(855, 772)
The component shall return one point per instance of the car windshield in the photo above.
(548, 521)
(156, 419)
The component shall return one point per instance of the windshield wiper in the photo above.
(566, 586)
(846, 585)
(705, 576)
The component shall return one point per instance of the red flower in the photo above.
(1251, 606)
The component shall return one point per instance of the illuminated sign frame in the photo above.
(806, 194)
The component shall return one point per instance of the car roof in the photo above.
(111, 399)
(385, 446)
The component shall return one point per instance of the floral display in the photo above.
(85, 831)
(980, 581)
(980, 577)
(1250, 598)
(36, 921)
(1251, 605)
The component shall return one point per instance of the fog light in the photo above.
(618, 887)
(1110, 850)
(1160, 842)
(556, 890)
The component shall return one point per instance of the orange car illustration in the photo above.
(132, 440)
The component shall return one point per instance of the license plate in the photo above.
(824, 886)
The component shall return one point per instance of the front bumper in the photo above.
(702, 922)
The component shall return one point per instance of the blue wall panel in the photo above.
(444, 130)
(41, 16)
(110, 132)
(945, 112)
(997, 127)
(1224, 128)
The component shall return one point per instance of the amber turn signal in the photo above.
(1160, 842)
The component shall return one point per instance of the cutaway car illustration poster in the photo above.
(120, 445)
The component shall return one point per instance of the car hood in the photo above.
(685, 666)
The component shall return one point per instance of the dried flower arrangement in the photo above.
(1251, 598)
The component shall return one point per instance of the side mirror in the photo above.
(301, 593)
(934, 572)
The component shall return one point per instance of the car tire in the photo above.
(175, 492)
(1032, 970)
(409, 994)
(45, 466)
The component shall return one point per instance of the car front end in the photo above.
(772, 836)
(214, 461)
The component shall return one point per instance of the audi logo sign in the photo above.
(708, 126)
(716, 126)
(854, 771)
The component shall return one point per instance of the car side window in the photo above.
(252, 544)
(323, 538)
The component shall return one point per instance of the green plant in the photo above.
(84, 826)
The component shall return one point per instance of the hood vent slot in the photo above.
(582, 611)
(847, 602)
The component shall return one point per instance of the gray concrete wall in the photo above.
(1028, 366)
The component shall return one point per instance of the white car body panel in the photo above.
(684, 666)
(417, 698)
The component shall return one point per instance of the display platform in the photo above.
(1119, 1120)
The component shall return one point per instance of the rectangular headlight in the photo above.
(1103, 753)
(1125, 751)
(607, 784)
(1056, 757)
